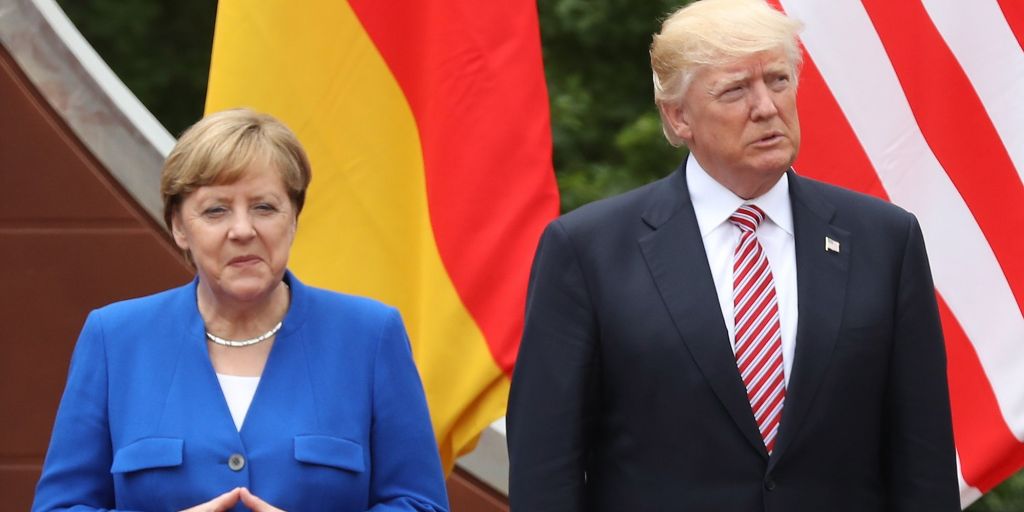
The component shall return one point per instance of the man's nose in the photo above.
(762, 103)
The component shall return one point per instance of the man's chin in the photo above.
(774, 164)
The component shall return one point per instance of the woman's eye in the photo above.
(215, 211)
(265, 208)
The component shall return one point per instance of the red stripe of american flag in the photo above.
(989, 452)
(960, 134)
(1013, 11)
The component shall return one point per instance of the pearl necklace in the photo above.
(244, 343)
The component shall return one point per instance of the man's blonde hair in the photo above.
(711, 33)
(220, 147)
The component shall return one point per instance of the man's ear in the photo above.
(676, 120)
(176, 231)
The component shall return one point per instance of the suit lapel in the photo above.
(821, 292)
(674, 252)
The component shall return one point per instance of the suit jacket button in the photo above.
(236, 462)
(769, 485)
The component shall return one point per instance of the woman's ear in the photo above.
(178, 232)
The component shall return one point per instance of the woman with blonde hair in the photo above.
(245, 387)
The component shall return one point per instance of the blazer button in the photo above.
(769, 485)
(236, 462)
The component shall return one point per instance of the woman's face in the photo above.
(240, 234)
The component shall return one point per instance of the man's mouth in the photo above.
(769, 139)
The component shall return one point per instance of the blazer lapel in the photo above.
(822, 272)
(194, 404)
(204, 390)
(285, 397)
(674, 252)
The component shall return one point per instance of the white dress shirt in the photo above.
(713, 204)
(238, 393)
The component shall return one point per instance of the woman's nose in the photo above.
(241, 227)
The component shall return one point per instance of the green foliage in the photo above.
(606, 130)
(1007, 497)
(160, 49)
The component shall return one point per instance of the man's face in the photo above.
(740, 121)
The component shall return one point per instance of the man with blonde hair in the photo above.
(733, 337)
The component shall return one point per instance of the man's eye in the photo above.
(732, 93)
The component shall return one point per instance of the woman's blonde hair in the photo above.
(220, 147)
(711, 33)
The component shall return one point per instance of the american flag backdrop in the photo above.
(921, 102)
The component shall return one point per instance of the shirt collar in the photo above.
(713, 203)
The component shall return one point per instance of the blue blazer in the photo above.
(339, 420)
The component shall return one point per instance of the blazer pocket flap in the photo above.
(330, 451)
(152, 452)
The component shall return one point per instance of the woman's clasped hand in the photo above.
(231, 498)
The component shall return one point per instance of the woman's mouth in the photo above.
(241, 261)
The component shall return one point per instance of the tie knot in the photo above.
(747, 217)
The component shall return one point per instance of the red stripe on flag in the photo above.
(473, 75)
(829, 149)
(959, 132)
(1013, 11)
(989, 452)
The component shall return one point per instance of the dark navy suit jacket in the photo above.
(626, 394)
(338, 422)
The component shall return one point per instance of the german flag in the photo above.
(428, 130)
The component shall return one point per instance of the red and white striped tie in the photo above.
(758, 331)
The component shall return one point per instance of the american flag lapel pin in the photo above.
(831, 245)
